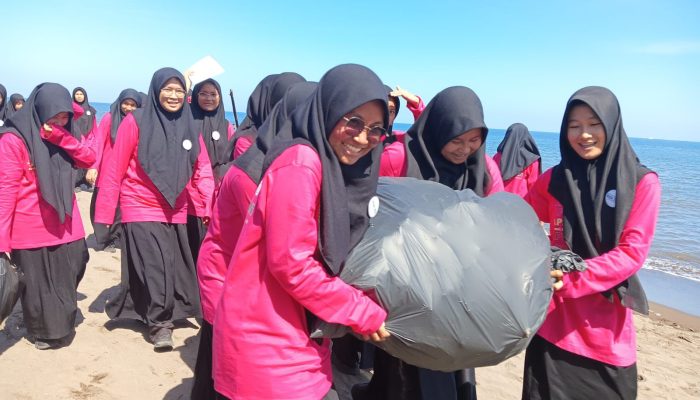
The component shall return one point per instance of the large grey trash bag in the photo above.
(465, 280)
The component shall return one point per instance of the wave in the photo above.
(673, 267)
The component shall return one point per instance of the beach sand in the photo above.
(112, 360)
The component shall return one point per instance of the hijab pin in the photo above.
(216, 135)
(186, 144)
(88, 112)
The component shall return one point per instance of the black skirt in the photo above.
(196, 230)
(203, 387)
(104, 235)
(553, 373)
(51, 276)
(159, 281)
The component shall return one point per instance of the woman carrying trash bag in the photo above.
(602, 204)
(310, 210)
(446, 145)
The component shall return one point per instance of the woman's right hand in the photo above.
(379, 336)
(556, 276)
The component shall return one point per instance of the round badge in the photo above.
(610, 198)
(88, 112)
(216, 135)
(186, 144)
(2, 123)
(373, 207)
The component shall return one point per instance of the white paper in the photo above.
(204, 69)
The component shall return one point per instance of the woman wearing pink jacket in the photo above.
(39, 217)
(157, 154)
(519, 160)
(602, 204)
(309, 211)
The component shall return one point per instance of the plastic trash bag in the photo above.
(465, 280)
(9, 286)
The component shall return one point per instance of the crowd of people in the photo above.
(248, 227)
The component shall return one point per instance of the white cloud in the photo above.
(670, 48)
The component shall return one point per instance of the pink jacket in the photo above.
(242, 145)
(124, 181)
(394, 163)
(522, 183)
(579, 319)
(262, 348)
(228, 213)
(26, 220)
(196, 205)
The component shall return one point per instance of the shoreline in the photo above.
(672, 317)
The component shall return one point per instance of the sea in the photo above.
(671, 273)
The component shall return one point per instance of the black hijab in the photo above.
(591, 226)
(251, 162)
(54, 168)
(83, 125)
(13, 99)
(163, 138)
(3, 105)
(209, 122)
(518, 150)
(258, 108)
(346, 189)
(115, 110)
(451, 113)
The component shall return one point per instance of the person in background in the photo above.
(445, 145)
(40, 221)
(209, 116)
(108, 238)
(83, 129)
(156, 154)
(228, 214)
(16, 101)
(414, 104)
(602, 204)
(4, 109)
(518, 159)
(309, 211)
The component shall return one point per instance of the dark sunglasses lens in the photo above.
(355, 124)
(377, 132)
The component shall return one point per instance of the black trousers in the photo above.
(50, 295)
(203, 387)
(553, 373)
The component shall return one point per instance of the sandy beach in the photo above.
(112, 360)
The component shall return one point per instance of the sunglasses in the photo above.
(356, 125)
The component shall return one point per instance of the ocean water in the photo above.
(671, 273)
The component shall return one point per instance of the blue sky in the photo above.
(523, 59)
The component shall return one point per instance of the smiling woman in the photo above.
(150, 178)
(309, 211)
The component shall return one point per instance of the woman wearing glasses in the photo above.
(310, 209)
(229, 210)
(446, 145)
(156, 154)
